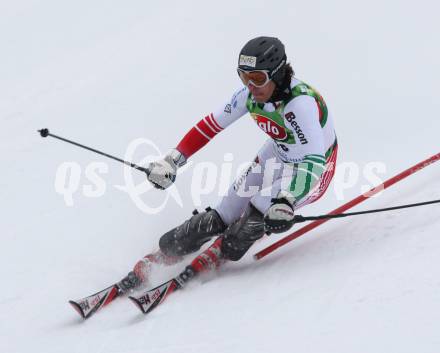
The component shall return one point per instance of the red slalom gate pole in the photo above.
(347, 206)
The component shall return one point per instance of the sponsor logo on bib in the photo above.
(270, 127)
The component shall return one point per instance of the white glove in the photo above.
(280, 215)
(162, 173)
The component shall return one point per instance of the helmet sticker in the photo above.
(246, 60)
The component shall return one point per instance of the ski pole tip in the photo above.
(44, 132)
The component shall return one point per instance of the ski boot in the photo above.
(192, 234)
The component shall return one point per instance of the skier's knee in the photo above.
(192, 234)
(241, 235)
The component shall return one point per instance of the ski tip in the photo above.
(137, 303)
(77, 308)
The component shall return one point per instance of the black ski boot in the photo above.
(192, 234)
(241, 235)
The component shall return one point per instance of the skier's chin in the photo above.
(262, 94)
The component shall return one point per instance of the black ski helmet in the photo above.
(264, 53)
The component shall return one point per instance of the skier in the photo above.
(302, 143)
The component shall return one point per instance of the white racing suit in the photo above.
(299, 157)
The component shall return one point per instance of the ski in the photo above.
(88, 306)
(151, 299)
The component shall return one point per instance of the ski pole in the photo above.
(45, 133)
(299, 218)
(347, 206)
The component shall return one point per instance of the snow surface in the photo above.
(108, 72)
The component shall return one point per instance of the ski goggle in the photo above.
(258, 78)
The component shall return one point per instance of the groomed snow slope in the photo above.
(107, 72)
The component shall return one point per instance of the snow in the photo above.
(105, 73)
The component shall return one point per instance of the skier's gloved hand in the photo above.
(162, 173)
(280, 215)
